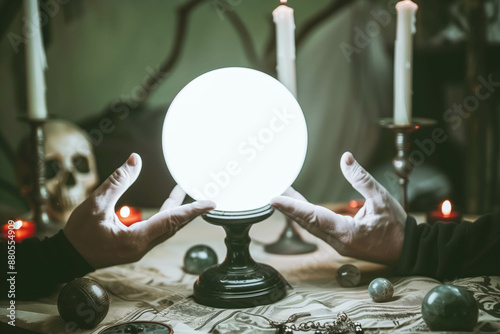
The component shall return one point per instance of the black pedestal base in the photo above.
(239, 282)
(252, 286)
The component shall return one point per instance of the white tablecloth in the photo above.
(157, 289)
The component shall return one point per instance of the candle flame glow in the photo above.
(353, 204)
(446, 208)
(125, 211)
(18, 224)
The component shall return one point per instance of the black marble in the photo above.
(83, 303)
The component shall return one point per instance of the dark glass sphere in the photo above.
(450, 308)
(348, 275)
(198, 258)
(84, 302)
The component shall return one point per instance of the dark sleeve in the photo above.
(40, 265)
(447, 250)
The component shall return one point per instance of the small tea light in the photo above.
(18, 230)
(129, 215)
(351, 208)
(445, 214)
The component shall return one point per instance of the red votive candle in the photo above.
(18, 230)
(129, 215)
(350, 208)
(444, 214)
(354, 206)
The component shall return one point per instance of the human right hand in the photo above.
(97, 234)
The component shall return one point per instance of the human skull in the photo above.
(70, 169)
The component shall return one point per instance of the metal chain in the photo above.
(339, 326)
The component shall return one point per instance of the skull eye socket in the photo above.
(52, 167)
(81, 163)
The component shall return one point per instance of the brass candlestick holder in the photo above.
(401, 162)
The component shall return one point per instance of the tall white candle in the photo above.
(285, 48)
(36, 63)
(403, 61)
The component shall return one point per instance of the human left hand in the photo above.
(375, 233)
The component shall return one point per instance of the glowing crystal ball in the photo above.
(236, 136)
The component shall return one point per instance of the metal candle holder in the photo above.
(290, 242)
(40, 195)
(401, 162)
(239, 281)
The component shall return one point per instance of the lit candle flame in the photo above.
(446, 208)
(125, 211)
(353, 204)
(18, 224)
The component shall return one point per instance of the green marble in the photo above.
(348, 275)
(450, 308)
(198, 258)
(381, 290)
